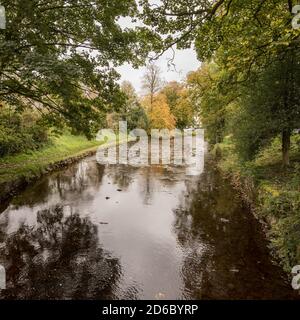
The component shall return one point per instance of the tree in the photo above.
(152, 81)
(270, 107)
(180, 104)
(131, 96)
(133, 112)
(160, 116)
(212, 95)
(249, 32)
(172, 92)
(184, 111)
(244, 38)
(52, 51)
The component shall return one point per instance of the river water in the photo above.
(96, 231)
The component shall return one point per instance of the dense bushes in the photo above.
(282, 209)
(279, 203)
(20, 132)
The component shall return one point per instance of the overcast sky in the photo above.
(185, 61)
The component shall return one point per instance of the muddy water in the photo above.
(121, 232)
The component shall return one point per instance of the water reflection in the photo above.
(121, 175)
(59, 258)
(115, 231)
(226, 254)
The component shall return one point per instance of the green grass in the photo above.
(28, 165)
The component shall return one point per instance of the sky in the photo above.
(185, 61)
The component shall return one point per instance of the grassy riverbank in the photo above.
(32, 163)
(273, 193)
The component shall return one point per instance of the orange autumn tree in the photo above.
(159, 114)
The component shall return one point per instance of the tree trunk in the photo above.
(151, 101)
(286, 144)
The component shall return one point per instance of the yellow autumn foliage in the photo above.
(159, 113)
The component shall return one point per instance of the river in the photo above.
(94, 231)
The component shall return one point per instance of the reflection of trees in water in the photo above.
(226, 255)
(59, 259)
(121, 175)
(37, 193)
(146, 183)
(124, 175)
(152, 178)
(81, 177)
(77, 180)
(149, 176)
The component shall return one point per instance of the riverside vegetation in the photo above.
(272, 193)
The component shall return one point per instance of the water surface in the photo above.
(121, 232)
